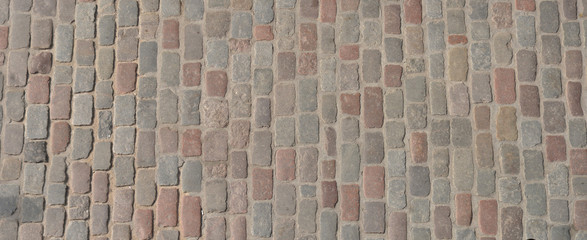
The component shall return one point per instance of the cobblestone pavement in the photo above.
(285, 119)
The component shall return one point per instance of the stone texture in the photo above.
(273, 119)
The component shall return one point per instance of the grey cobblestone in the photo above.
(167, 173)
(146, 114)
(241, 68)
(124, 110)
(526, 31)
(420, 210)
(455, 22)
(510, 190)
(193, 48)
(436, 67)
(441, 191)
(534, 164)
(82, 143)
(262, 219)
(124, 140)
(82, 105)
(397, 194)
(549, 17)
(105, 63)
(37, 122)
(486, 182)
(85, 20)
(145, 188)
(577, 132)
(481, 56)
(106, 30)
(34, 178)
(104, 124)
(147, 57)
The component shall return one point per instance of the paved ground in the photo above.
(285, 119)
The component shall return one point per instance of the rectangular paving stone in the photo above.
(85, 20)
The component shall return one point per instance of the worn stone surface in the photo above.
(307, 119)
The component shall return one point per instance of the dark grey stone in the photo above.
(419, 179)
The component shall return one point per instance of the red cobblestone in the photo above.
(191, 217)
(239, 165)
(262, 184)
(349, 52)
(143, 224)
(263, 33)
(328, 11)
(79, 180)
(38, 90)
(218, 170)
(126, 78)
(398, 226)
(60, 133)
(216, 82)
(238, 228)
(457, 39)
(100, 187)
(239, 45)
(285, 164)
(4, 37)
(511, 223)
(349, 203)
(556, 148)
(413, 11)
(574, 64)
(464, 209)
(308, 36)
(60, 107)
(167, 207)
(393, 75)
(373, 107)
(168, 140)
(393, 21)
(191, 143)
(330, 144)
(192, 74)
(329, 169)
(502, 14)
(578, 161)
(329, 194)
(215, 228)
(350, 103)
(579, 220)
(505, 86)
(374, 182)
(574, 92)
(170, 34)
(530, 101)
(442, 222)
(419, 147)
(526, 5)
(482, 117)
(349, 5)
(488, 216)
(308, 64)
